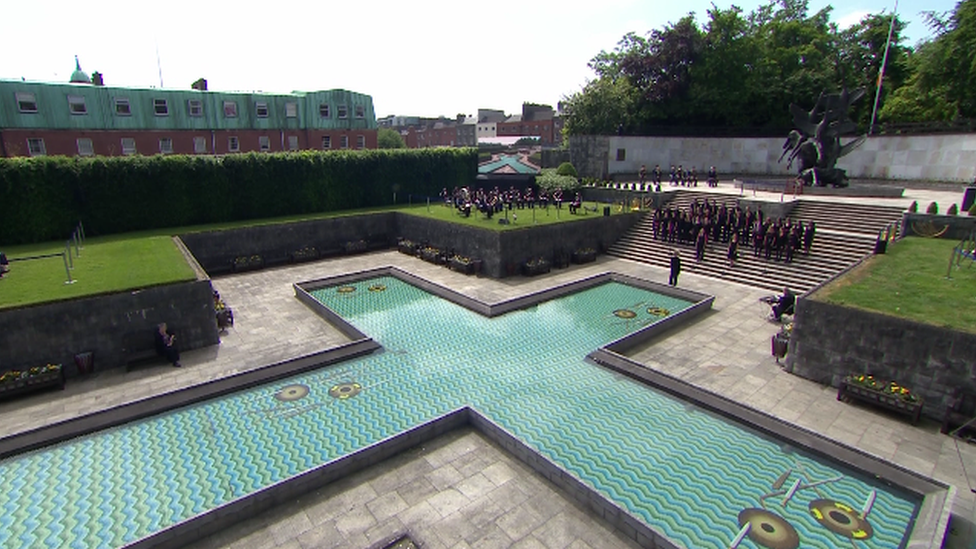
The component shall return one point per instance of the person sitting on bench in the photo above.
(166, 345)
(574, 206)
(4, 264)
(785, 305)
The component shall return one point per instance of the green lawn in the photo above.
(148, 258)
(910, 282)
(106, 265)
(517, 218)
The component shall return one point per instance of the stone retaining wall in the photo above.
(216, 250)
(55, 332)
(960, 226)
(949, 157)
(503, 252)
(831, 341)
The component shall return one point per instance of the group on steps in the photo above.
(705, 222)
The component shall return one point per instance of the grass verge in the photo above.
(909, 281)
(106, 265)
(518, 219)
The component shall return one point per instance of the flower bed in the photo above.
(884, 394)
(15, 382)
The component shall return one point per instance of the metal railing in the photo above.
(77, 239)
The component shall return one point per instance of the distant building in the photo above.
(535, 121)
(82, 119)
(465, 131)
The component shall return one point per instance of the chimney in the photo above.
(97, 79)
(200, 84)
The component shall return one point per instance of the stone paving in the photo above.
(726, 351)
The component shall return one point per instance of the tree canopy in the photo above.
(389, 139)
(738, 70)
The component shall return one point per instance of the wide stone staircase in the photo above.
(845, 234)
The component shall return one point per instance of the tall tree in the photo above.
(389, 139)
(942, 85)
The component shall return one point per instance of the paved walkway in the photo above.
(726, 351)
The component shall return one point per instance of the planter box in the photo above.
(848, 392)
(305, 254)
(247, 263)
(535, 269)
(430, 256)
(580, 258)
(462, 267)
(408, 249)
(356, 247)
(30, 384)
(225, 319)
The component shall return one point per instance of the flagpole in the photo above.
(884, 61)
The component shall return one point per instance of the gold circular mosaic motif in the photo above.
(377, 288)
(291, 393)
(840, 519)
(625, 313)
(346, 289)
(769, 529)
(658, 311)
(343, 391)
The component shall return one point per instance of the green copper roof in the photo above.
(86, 107)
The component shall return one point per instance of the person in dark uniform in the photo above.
(700, 241)
(733, 253)
(808, 237)
(674, 176)
(166, 345)
(712, 177)
(675, 268)
(643, 175)
(784, 305)
(657, 174)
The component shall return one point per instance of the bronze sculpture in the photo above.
(816, 140)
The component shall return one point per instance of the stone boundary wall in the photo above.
(959, 225)
(55, 332)
(216, 250)
(831, 341)
(503, 252)
(948, 157)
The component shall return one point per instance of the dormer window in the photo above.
(122, 107)
(160, 107)
(26, 102)
(360, 111)
(342, 111)
(76, 104)
(261, 109)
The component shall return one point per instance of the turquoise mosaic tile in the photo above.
(686, 472)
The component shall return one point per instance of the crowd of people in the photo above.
(706, 222)
(679, 176)
(490, 202)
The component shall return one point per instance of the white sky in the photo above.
(427, 57)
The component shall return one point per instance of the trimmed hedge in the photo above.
(44, 198)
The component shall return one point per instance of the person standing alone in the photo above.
(675, 268)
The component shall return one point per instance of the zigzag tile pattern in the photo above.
(682, 470)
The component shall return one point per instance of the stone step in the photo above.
(830, 254)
